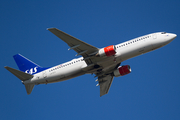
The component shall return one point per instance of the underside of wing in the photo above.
(82, 48)
(105, 84)
(105, 79)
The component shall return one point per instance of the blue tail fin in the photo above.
(27, 65)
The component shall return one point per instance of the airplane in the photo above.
(103, 62)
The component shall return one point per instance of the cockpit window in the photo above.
(163, 33)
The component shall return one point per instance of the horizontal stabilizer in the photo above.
(29, 88)
(21, 75)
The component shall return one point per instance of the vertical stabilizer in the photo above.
(26, 71)
(27, 65)
(23, 63)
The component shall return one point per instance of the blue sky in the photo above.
(151, 91)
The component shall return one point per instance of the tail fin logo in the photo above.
(27, 65)
(32, 70)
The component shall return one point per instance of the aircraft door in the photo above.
(154, 36)
(142, 44)
(44, 74)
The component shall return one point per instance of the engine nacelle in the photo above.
(107, 51)
(123, 70)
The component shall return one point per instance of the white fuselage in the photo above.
(124, 51)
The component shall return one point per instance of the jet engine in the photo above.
(122, 70)
(107, 51)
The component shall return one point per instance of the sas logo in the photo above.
(32, 70)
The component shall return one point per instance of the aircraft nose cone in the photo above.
(172, 36)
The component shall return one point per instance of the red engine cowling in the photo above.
(123, 70)
(107, 51)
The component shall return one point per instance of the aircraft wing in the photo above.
(105, 84)
(105, 79)
(82, 48)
